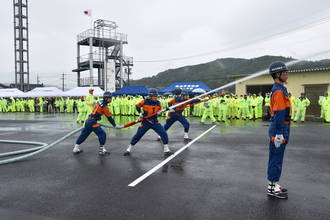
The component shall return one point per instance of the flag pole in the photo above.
(91, 22)
(91, 35)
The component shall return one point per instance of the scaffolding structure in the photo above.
(21, 38)
(104, 45)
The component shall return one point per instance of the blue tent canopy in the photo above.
(189, 86)
(132, 90)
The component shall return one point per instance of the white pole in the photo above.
(91, 60)
(105, 69)
(91, 34)
(91, 21)
(121, 63)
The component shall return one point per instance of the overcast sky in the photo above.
(166, 34)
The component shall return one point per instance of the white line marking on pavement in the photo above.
(138, 180)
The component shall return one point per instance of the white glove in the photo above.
(172, 110)
(278, 140)
(119, 126)
(160, 112)
(141, 115)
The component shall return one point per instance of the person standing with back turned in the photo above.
(279, 128)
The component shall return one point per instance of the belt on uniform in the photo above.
(92, 118)
(287, 122)
(151, 121)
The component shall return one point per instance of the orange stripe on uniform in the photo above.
(151, 109)
(105, 111)
(280, 101)
(281, 104)
(140, 104)
(181, 107)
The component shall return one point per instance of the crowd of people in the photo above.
(39, 104)
(218, 108)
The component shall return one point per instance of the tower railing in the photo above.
(98, 57)
(105, 34)
(88, 81)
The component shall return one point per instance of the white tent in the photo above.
(44, 92)
(79, 91)
(13, 92)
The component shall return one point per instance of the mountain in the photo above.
(214, 74)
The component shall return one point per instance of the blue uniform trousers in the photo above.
(276, 155)
(145, 126)
(91, 126)
(177, 117)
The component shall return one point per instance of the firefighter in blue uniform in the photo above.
(279, 128)
(175, 114)
(150, 106)
(91, 125)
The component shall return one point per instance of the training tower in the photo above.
(21, 39)
(103, 48)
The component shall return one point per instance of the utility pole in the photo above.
(62, 81)
(38, 81)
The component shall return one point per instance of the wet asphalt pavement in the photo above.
(220, 176)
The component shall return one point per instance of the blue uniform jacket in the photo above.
(149, 107)
(101, 108)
